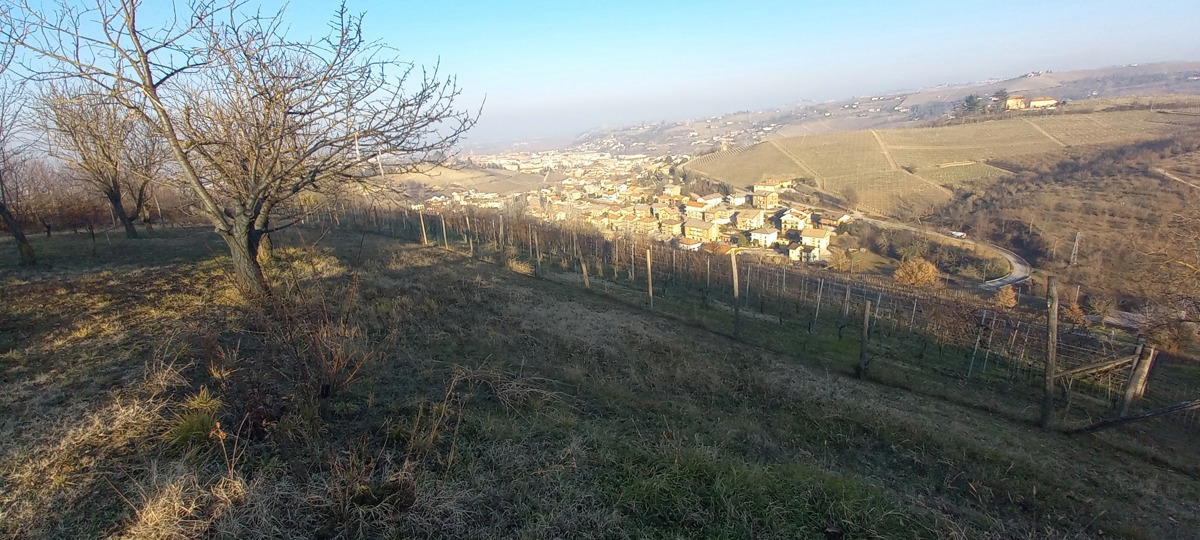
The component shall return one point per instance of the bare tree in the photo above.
(11, 104)
(1170, 277)
(252, 118)
(111, 148)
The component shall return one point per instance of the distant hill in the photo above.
(914, 170)
(887, 110)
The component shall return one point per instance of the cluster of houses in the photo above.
(1022, 102)
(714, 222)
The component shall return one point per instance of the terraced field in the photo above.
(873, 163)
(745, 166)
(839, 155)
(952, 174)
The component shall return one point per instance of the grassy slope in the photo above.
(496, 406)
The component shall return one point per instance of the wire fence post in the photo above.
(649, 279)
(862, 346)
(1051, 350)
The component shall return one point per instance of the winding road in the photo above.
(1020, 268)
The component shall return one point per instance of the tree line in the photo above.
(249, 128)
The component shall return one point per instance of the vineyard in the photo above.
(867, 162)
(954, 175)
(944, 343)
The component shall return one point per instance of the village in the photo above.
(627, 195)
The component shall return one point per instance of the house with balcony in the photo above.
(699, 229)
(748, 220)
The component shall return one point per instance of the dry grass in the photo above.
(495, 405)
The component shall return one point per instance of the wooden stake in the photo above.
(1141, 368)
(862, 346)
(707, 280)
(470, 237)
(817, 312)
(649, 279)
(737, 310)
(445, 239)
(424, 238)
(538, 248)
(587, 284)
(1051, 350)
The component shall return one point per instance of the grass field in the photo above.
(491, 405)
(860, 159)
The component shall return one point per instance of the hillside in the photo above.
(499, 181)
(885, 110)
(1125, 203)
(915, 170)
(492, 404)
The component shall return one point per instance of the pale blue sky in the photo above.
(560, 67)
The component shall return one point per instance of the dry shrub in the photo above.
(320, 338)
(1005, 297)
(169, 505)
(509, 390)
(195, 422)
(917, 272)
(365, 493)
(519, 266)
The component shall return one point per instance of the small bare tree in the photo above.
(1170, 279)
(253, 119)
(11, 104)
(111, 148)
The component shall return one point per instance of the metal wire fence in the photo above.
(953, 344)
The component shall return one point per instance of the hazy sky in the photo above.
(559, 67)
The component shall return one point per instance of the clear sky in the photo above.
(554, 68)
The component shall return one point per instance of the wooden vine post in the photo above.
(862, 346)
(587, 283)
(424, 238)
(737, 310)
(445, 239)
(470, 237)
(1051, 350)
(1137, 380)
(649, 279)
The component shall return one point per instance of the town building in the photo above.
(793, 219)
(818, 238)
(801, 252)
(695, 228)
(764, 237)
(748, 220)
(694, 210)
(1042, 103)
(673, 227)
(765, 197)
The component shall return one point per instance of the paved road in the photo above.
(1020, 267)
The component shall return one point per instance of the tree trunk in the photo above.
(266, 250)
(244, 241)
(14, 228)
(122, 215)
